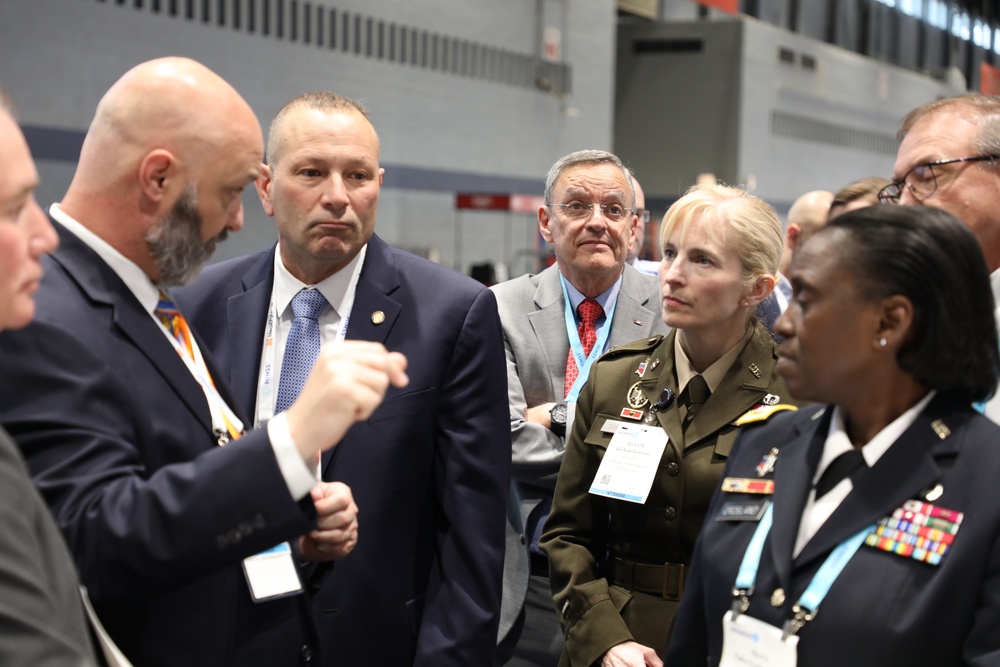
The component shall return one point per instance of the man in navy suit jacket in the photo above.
(121, 426)
(430, 468)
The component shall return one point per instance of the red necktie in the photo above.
(588, 311)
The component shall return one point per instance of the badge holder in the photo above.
(272, 574)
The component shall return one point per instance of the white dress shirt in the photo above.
(816, 512)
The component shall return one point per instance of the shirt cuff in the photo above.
(297, 474)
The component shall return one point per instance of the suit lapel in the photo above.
(905, 471)
(793, 473)
(548, 322)
(378, 280)
(634, 318)
(102, 285)
(246, 317)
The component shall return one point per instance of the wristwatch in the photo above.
(557, 415)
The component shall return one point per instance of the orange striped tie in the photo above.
(178, 327)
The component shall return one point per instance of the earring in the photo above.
(882, 342)
(746, 303)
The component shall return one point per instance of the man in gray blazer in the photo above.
(589, 218)
(42, 620)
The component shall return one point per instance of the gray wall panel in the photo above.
(61, 55)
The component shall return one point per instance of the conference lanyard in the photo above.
(224, 420)
(820, 585)
(583, 361)
(266, 388)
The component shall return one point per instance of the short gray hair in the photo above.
(585, 157)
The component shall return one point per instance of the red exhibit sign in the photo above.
(731, 6)
(482, 202)
(989, 79)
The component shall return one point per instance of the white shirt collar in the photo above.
(837, 441)
(333, 288)
(131, 274)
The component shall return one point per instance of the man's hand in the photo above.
(346, 384)
(631, 654)
(336, 532)
(540, 414)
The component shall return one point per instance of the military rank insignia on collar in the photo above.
(917, 530)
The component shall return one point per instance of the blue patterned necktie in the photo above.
(301, 348)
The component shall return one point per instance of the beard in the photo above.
(176, 244)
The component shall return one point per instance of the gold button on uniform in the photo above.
(378, 317)
(778, 597)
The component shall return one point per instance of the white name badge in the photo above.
(629, 465)
(749, 642)
(272, 573)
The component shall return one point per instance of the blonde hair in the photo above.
(751, 227)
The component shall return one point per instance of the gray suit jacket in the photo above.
(42, 622)
(534, 326)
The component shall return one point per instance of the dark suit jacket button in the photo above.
(673, 469)
(306, 654)
(670, 513)
(522, 539)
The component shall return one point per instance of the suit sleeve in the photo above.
(41, 618)
(145, 498)
(472, 475)
(535, 450)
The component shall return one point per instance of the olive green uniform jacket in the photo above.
(617, 568)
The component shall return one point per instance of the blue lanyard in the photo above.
(820, 585)
(583, 361)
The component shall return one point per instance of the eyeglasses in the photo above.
(579, 210)
(643, 214)
(921, 180)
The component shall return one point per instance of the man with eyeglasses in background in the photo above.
(555, 324)
(642, 216)
(947, 159)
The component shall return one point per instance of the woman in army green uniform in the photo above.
(630, 500)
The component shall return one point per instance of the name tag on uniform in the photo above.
(742, 510)
(272, 574)
(630, 462)
(748, 642)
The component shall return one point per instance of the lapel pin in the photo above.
(638, 322)
(656, 362)
(378, 317)
(770, 399)
(755, 371)
(940, 428)
(642, 368)
(766, 464)
(934, 493)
